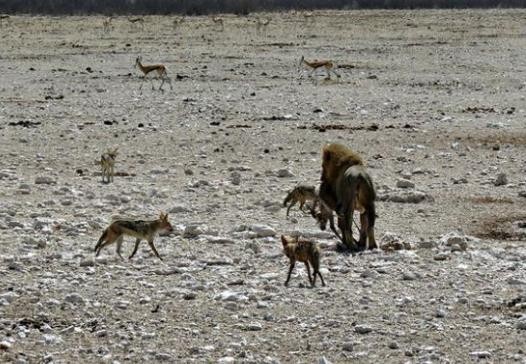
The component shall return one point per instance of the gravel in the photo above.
(413, 100)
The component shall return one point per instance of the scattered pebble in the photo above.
(405, 197)
(282, 173)
(231, 296)
(324, 360)
(363, 329)
(481, 354)
(348, 346)
(74, 298)
(501, 179)
(45, 180)
(5, 345)
(405, 183)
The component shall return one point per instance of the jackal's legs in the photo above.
(137, 241)
(308, 273)
(150, 243)
(290, 271)
(119, 245)
(288, 209)
(108, 241)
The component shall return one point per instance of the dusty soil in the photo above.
(433, 97)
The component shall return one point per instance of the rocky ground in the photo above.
(433, 100)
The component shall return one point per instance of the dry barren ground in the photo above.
(433, 100)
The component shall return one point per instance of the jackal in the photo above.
(107, 164)
(302, 250)
(324, 215)
(140, 229)
(301, 194)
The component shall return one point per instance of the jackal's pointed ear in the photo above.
(284, 240)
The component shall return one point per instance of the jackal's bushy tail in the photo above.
(287, 199)
(101, 239)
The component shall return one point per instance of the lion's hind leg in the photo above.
(371, 218)
(365, 201)
(346, 227)
(362, 243)
(349, 204)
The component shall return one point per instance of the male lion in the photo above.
(346, 186)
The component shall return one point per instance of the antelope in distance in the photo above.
(308, 16)
(261, 24)
(219, 22)
(107, 25)
(137, 20)
(315, 65)
(4, 17)
(178, 21)
(160, 69)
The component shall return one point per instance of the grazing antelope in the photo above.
(219, 21)
(107, 164)
(159, 68)
(106, 24)
(135, 21)
(262, 23)
(140, 229)
(327, 64)
(309, 16)
(178, 21)
(3, 17)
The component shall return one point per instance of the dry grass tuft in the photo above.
(489, 200)
(502, 138)
(502, 227)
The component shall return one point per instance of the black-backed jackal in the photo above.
(302, 250)
(301, 194)
(107, 164)
(140, 229)
(324, 215)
